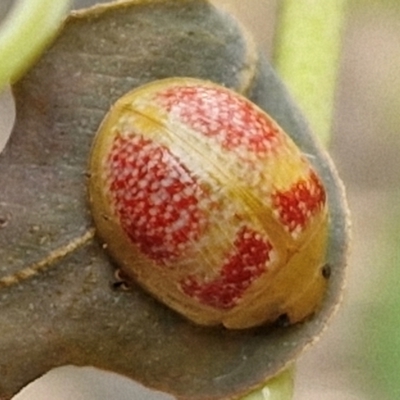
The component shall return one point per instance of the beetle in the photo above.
(204, 200)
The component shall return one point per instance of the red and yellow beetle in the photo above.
(205, 201)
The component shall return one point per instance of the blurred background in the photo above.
(358, 357)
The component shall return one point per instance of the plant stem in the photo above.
(24, 34)
(306, 55)
(278, 388)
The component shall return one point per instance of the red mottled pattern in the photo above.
(236, 124)
(298, 204)
(154, 196)
(248, 261)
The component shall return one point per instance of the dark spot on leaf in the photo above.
(4, 220)
(326, 271)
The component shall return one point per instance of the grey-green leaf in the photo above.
(59, 303)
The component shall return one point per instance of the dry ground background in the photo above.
(366, 148)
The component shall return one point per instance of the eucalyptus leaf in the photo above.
(60, 302)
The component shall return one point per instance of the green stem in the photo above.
(308, 44)
(278, 388)
(25, 33)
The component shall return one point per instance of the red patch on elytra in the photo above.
(154, 197)
(298, 204)
(214, 112)
(247, 261)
